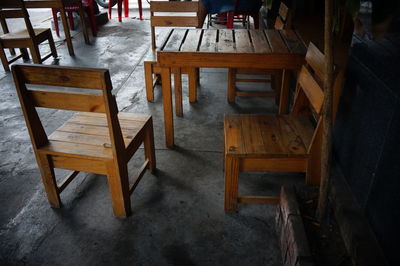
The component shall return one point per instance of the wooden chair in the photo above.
(279, 143)
(283, 21)
(88, 5)
(23, 39)
(96, 139)
(163, 19)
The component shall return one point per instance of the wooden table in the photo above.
(61, 4)
(258, 49)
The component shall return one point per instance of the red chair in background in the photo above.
(126, 9)
(88, 5)
(238, 15)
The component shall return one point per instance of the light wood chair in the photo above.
(279, 143)
(283, 21)
(27, 38)
(95, 139)
(170, 14)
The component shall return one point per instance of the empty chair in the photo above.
(164, 14)
(26, 38)
(279, 143)
(88, 5)
(283, 21)
(95, 139)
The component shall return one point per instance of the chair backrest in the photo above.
(284, 19)
(39, 86)
(13, 9)
(309, 96)
(170, 14)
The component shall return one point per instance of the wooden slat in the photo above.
(80, 164)
(64, 76)
(11, 13)
(242, 41)
(225, 41)
(302, 126)
(121, 116)
(192, 41)
(315, 59)
(174, 21)
(77, 101)
(311, 89)
(282, 164)
(276, 42)
(251, 135)
(259, 41)
(175, 41)
(88, 120)
(292, 41)
(279, 24)
(208, 42)
(76, 150)
(166, 6)
(283, 11)
(95, 130)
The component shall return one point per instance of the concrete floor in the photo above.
(178, 216)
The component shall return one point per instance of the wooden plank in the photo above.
(242, 41)
(121, 116)
(276, 42)
(311, 89)
(74, 77)
(95, 130)
(164, 6)
(209, 41)
(251, 135)
(284, 164)
(77, 101)
(76, 150)
(315, 59)
(175, 41)
(292, 41)
(259, 41)
(192, 41)
(79, 164)
(95, 121)
(174, 21)
(225, 41)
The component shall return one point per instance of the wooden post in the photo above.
(326, 113)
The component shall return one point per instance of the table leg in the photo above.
(66, 31)
(167, 103)
(178, 91)
(284, 99)
(140, 9)
(83, 23)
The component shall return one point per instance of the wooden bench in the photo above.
(96, 139)
(170, 14)
(279, 143)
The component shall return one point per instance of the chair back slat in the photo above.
(73, 101)
(167, 6)
(315, 59)
(11, 13)
(64, 77)
(284, 19)
(178, 21)
(311, 89)
(170, 14)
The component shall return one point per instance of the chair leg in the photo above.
(149, 150)
(49, 180)
(4, 60)
(71, 20)
(109, 9)
(276, 79)
(231, 84)
(126, 8)
(119, 188)
(92, 20)
(119, 4)
(193, 81)
(52, 46)
(148, 77)
(55, 19)
(178, 91)
(25, 54)
(35, 54)
(231, 183)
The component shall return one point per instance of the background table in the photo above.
(61, 4)
(258, 49)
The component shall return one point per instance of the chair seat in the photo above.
(23, 34)
(267, 136)
(87, 135)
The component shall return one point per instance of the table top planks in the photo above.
(234, 41)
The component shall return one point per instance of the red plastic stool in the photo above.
(126, 9)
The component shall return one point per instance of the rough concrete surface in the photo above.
(178, 216)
